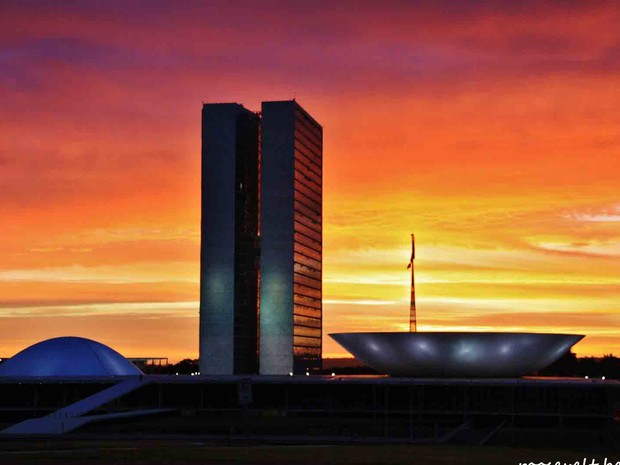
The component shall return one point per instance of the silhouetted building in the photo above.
(229, 240)
(282, 173)
(291, 240)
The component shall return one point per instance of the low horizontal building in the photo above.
(326, 408)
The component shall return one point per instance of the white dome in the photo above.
(67, 357)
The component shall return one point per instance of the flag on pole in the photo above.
(412, 252)
(413, 323)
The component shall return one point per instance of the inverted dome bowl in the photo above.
(458, 354)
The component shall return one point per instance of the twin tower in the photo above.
(261, 240)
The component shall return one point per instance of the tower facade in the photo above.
(229, 240)
(261, 240)
(291, 240)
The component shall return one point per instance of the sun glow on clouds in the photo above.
(152, 309)
(608, 215)
(492, 132)
(601, 249)
(119, 274)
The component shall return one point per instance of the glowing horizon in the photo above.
(491, 131)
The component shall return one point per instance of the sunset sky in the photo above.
(490, 129)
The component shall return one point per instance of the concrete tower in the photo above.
(229, 240)
(291, 240)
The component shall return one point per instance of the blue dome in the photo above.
(68, 357)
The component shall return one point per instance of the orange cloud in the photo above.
(490, 130)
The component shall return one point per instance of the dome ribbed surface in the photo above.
(68, 357)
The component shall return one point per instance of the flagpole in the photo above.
(413, 326)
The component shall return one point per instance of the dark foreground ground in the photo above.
(195, 452)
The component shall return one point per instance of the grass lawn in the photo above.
(194, 452)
